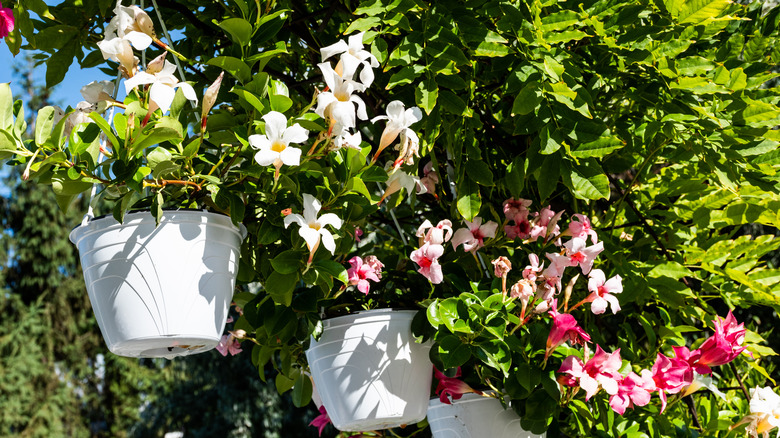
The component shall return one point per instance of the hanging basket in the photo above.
(160, 291)
(475, 416)
(370, 372)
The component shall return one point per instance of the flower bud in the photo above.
(211, 96)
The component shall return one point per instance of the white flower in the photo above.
(159, 73)
(96, 92)
(602, 292)
(312, 228)
(346, 140)
(338, 104)
(352, 56)
(397, 180)
(398, 121)
(764, 411)
(274, 145)
(130, 27)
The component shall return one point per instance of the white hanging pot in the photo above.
(370, 371)
(160, 290)
(475, 416)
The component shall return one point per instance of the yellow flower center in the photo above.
(278, 146)
(315, 226)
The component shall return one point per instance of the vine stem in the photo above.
(741, 384)
(692, 408)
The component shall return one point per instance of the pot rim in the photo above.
(106, 222)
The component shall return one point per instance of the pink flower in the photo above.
(501, 266)
(439, 234)
(671, 375)
(516, 207)
(552, 275)
(523, 290)
(430, 179)
(579, 254)
(633, 390)
(6, 21)
(321, 420)
(360, 272)
(564, 329)
(521, 229)
(545, 224)
(531, 271)
(602, 290)
(230, 344)
(722, 347)
(427, 258)
(451, 387)
(473, 237)
(600, 371)
(581, 228)
(358, 234)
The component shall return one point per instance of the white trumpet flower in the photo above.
(312, 228)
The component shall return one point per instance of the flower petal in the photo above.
(266, 157)
(327, 240)
(290, 156)
(330, 219)
(295, 134)
(275, 124)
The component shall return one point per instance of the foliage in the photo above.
(655, 119)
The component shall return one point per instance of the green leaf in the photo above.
(587, 181)
(480, 172)
(453, 352)
(166, 129)
(469, 199)
(406, 75)
(302, 391)
(234, 66)
(548, 176)
(239, 29)
(280, 287)
(515, 176)
(6, 106)
(59, 62)
(332, 268)
(492, 50)
(288, 262)
(105, 127)
(698, 11)
(426, 94)
(599, 148)
(528, 99)
(43, 125)
(250, 98)
(670, 269)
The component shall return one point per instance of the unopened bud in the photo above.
(143, 22)
(211, 96)
(157, 64)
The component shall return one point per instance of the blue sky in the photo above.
(66, 93)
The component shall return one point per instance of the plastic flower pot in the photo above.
(160, 291)
(475, 416)
(370, 371)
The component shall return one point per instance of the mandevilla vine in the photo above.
(569, 192)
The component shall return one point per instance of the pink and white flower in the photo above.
(430, 179)
(671, 375)
(230, 343)
(545, 224)
(439, 234)
(7, 21)
(601, 371)
(321, 420)
(427, 258)
(633, 390)
(451, 388)
(580, 254)
(581, 228)
(723, 346)
(360, 272)
(473, 236)
(564, 329)
(602, 292)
